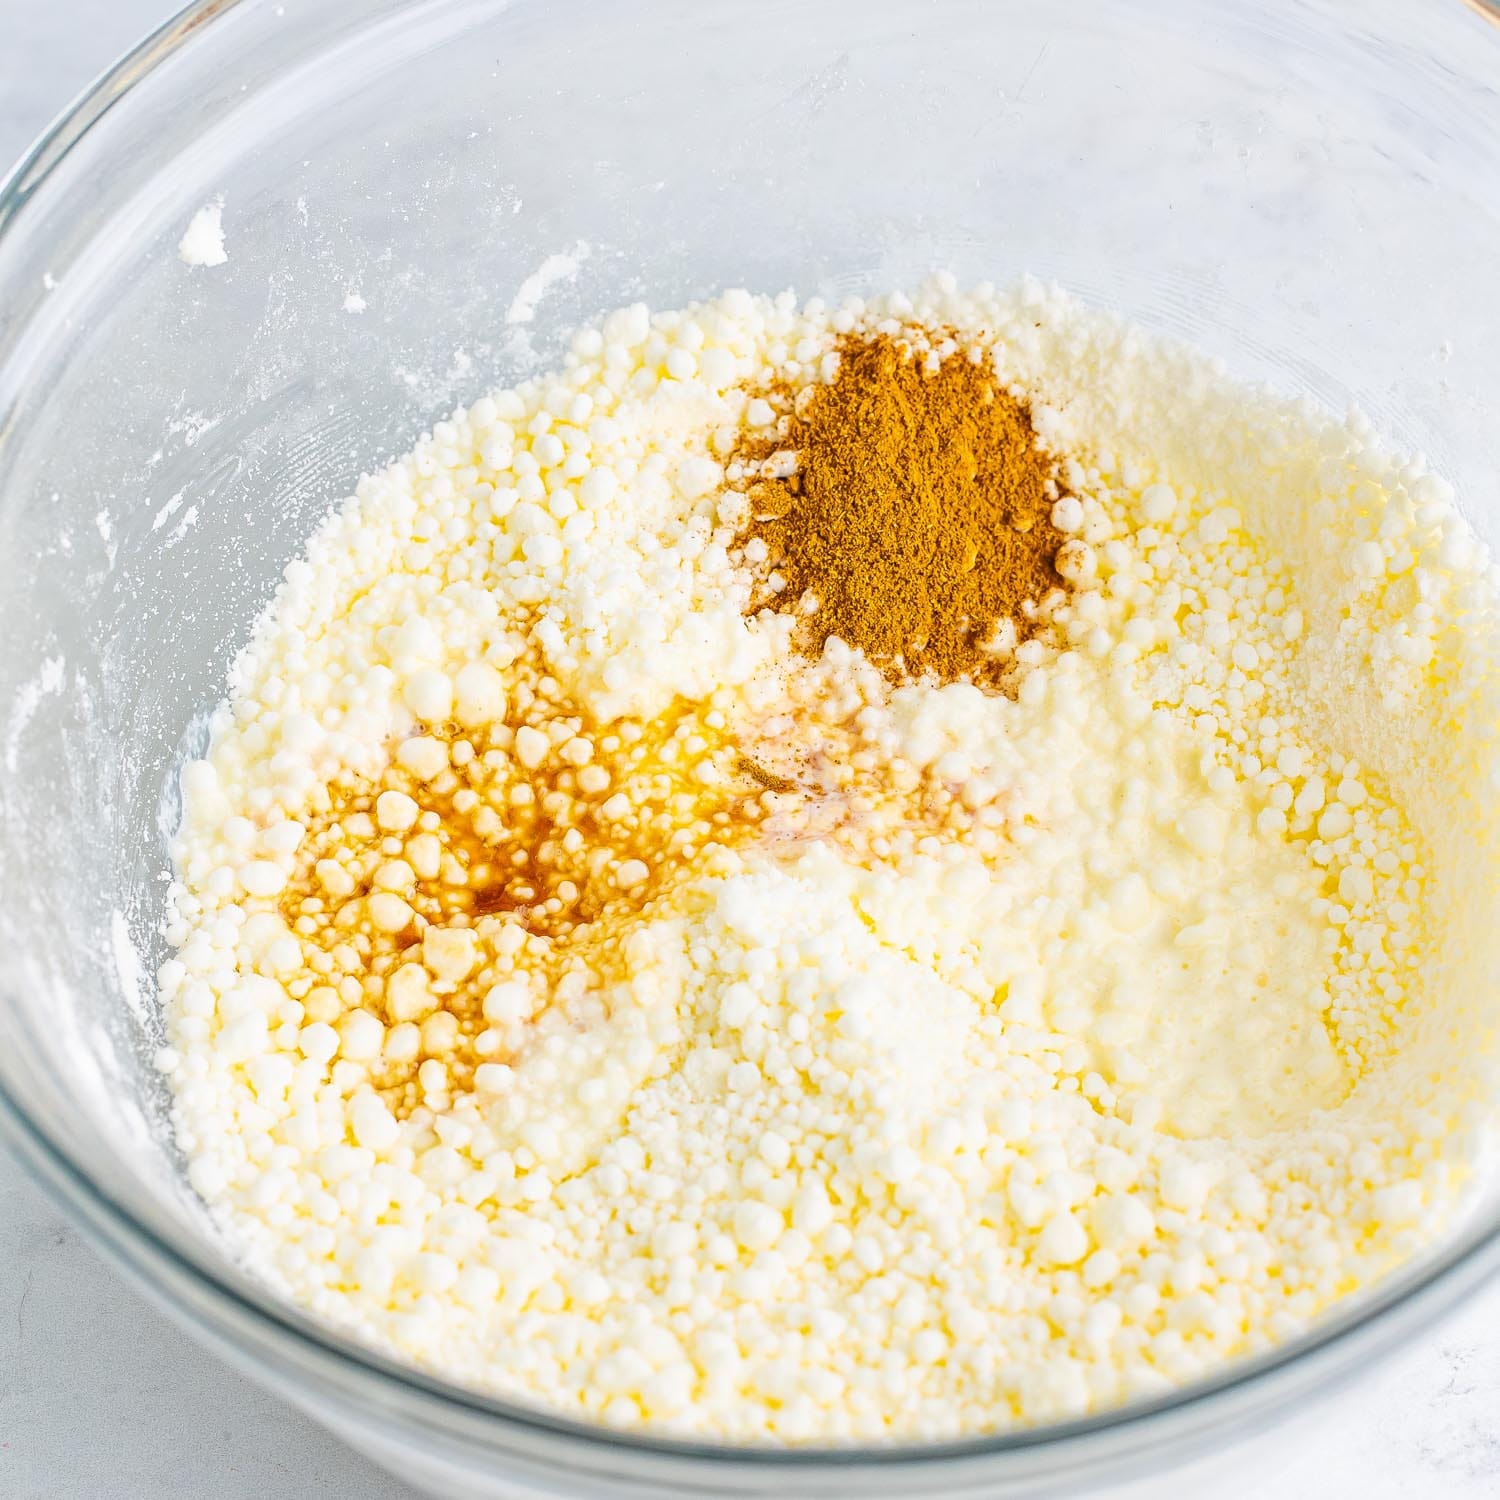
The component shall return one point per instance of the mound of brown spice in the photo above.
(906, 509)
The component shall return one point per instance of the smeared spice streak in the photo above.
(906, 509)
(768, 779)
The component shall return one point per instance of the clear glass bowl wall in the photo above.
(1308, 188)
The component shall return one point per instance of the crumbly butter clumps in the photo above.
(579, 993)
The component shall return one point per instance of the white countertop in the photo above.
(101, 1397)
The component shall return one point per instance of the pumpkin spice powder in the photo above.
(906, 509)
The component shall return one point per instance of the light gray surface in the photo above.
(101, 1397)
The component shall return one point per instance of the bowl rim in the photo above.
(1468, 1260)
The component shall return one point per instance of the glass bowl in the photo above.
(1308, 188)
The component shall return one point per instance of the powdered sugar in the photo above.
(202, 244)
(562, 267)
(978, 1058)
